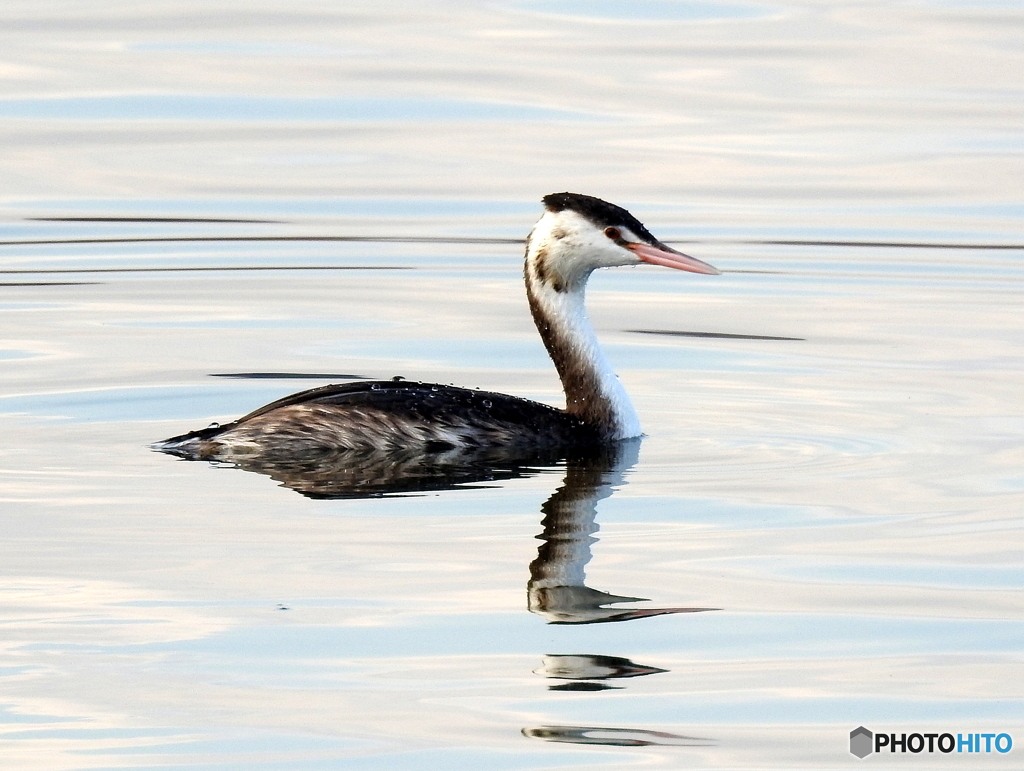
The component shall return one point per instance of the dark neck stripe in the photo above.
(584, 398)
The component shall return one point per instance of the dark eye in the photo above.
(613, 233)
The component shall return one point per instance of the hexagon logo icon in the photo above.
(861, 741)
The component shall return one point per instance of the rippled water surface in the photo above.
(209, 206)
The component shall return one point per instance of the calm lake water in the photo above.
(824, 517)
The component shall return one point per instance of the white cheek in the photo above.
(601, 250)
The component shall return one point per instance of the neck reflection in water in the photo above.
(557, 590)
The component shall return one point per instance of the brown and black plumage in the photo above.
(389, 415)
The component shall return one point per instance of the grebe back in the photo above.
(576, 235)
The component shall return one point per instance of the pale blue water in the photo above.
(233, 108)
(831, 477)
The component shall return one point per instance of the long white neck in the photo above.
(592, 391)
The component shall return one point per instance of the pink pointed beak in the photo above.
(670, 258)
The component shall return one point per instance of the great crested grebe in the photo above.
(576, 235)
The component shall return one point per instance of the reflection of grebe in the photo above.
(576, 235)
(557, 589)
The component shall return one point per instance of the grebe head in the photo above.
(579, 233)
